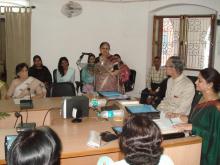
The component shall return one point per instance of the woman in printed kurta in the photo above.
(204, 120)
(106, 78)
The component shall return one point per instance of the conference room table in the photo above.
(36, 114)
(74, 136)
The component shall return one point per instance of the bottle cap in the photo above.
(98, 114)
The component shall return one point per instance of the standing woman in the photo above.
(65, 73)
(87, 75)
(23, 85)
(106, 78)
(204, 120)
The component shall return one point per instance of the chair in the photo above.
(129, 85)
(55, 75)
(156, 98)
(62, 89)
(79, 84)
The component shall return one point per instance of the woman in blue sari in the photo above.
(204, 119)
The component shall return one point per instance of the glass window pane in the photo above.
(170, 38)
(198, 42)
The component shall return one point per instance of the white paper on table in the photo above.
(94, 139)
(167, 125)
(176, 120)
(128, 102)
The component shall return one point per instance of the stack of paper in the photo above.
(128, 102)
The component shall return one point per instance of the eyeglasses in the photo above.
(169, 66)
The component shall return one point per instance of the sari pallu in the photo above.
(31, 86)
(206, 124)
(105, 80)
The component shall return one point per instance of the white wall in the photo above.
(127, 26)
(14, 2)
(217, 49)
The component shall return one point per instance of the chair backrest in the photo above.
(193, 79)
(79, 84)
(55, 75)
(62, 89)
(129, 85)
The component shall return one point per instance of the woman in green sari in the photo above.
(204, 120)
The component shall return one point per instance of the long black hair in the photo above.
(60, 68)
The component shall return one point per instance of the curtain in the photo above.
(18, 38)
(2, 48)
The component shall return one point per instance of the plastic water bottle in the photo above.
(115, 114)
(63, 111)
(95, 103)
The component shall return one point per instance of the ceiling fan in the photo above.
(71, 9)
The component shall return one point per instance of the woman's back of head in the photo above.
(41, 146)
(140, 141)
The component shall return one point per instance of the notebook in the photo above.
(113, 95)
(149, 110)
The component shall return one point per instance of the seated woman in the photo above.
(140, 142)
(65, 73)
(23, 86)
(204, 119)
(87, 75)
(124, 72)
(106, 78)
(40, 146)
(41, 72)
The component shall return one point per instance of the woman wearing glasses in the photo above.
(106, 77)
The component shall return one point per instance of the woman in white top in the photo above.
(140, 142)
(65, 73)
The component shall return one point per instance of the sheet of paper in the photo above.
(176, 120)
(166, 125)
(94, 139)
